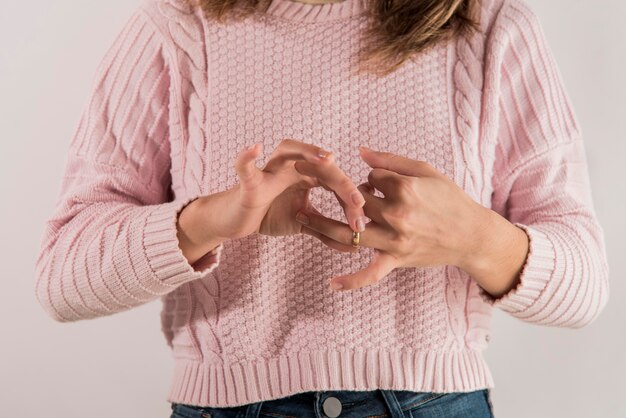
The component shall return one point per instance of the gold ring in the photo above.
(356, 237)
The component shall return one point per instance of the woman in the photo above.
(444, 177)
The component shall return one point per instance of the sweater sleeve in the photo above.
(111, 243)
(541, 182)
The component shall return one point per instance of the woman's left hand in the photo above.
(424, 219)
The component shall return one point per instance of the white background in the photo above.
(120, 366)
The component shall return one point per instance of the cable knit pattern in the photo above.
(466, 97)
(177, 97)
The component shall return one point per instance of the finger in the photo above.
(375, 236)
(307, 182)
(386, 181)
(381, 265)
(289, 150)
(337, 181)
(374, 205)
(397, 163)
(329, 241)
(245, 166)
(312, 170)
(365, 187)
(326, 240)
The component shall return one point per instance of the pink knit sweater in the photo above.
(177, 97)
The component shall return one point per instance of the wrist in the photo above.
(476, 253)
(208, 216)
(499, 255)
(194, 232)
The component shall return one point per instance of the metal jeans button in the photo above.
(332, 407)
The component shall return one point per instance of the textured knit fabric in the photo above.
(178, 96)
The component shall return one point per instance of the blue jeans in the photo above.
(354, 404)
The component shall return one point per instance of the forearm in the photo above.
(499, 255)
(105, 257)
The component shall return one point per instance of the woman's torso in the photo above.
(268, 300)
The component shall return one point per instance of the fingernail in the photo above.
(336, 285)
(323, 153)
(252, 146)
(357, 198)
(364, 148)
(302, 218)
(360, 224)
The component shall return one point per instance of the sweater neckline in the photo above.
(324, 12)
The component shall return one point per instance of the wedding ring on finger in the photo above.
(356, 238)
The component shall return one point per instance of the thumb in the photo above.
(245, 165)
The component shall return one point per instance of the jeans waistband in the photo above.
(342, 404)
(383, 402)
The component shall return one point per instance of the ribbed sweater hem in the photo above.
(234, 384)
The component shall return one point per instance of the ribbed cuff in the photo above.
(534, 277)
(166, 258)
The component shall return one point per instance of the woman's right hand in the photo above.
(266, 200)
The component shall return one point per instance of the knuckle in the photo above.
(390, 157)
(403, 187)
(402, 245)
(395, 214)
(396, 181)
(285, 142)
(344, 183)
